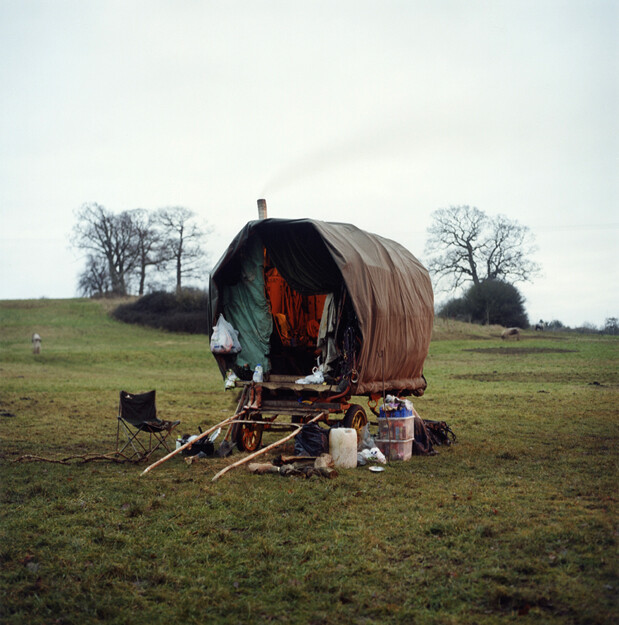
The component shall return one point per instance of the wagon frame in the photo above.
(281, 396)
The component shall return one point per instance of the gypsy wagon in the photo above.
(309, 296)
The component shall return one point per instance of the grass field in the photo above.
(516, 522)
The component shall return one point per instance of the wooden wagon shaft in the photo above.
(227, 421)
(241, 408)
(265, 449)
(239, 411)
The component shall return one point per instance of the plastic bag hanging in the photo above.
(225, 339)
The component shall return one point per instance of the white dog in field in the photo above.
(36, 344)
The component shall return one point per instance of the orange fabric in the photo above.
(297, 316)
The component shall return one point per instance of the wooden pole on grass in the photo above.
(238, 413)
(265, 449)
(190, 443)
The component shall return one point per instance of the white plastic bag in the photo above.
(225, 339)
(315, 377)
(371, 455)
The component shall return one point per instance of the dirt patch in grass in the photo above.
(519, 351)
(524, 377)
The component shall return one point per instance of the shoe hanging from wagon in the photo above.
(326, 312)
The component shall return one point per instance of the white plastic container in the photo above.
(343, 447)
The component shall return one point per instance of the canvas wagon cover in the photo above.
(391, 291)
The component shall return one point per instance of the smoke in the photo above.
(415, 133)
(388, 141)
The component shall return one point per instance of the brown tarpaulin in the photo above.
(391, 291)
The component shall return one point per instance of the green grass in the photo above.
(517, 522)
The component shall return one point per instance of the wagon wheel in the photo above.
(249, 435)
(356, 418)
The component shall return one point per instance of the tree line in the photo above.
(123, 250)
(478, 258)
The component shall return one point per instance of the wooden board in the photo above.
(287, 382)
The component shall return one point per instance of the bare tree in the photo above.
(611, 325)
(109, 236)
(465, 245)
(120, 247)
(148, 244)
(182, 239)
(94, 280)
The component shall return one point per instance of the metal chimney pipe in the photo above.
(262, 209)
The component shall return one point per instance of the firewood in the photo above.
(260, 468)
(289, 459)
(324, 461)
(328, 472)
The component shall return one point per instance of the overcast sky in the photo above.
(370, 112)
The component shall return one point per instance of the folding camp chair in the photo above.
(137, 419)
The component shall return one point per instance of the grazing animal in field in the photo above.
(36, 344)
(539, 327)
(511, 333)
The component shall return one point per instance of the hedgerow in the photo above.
(176, 312)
